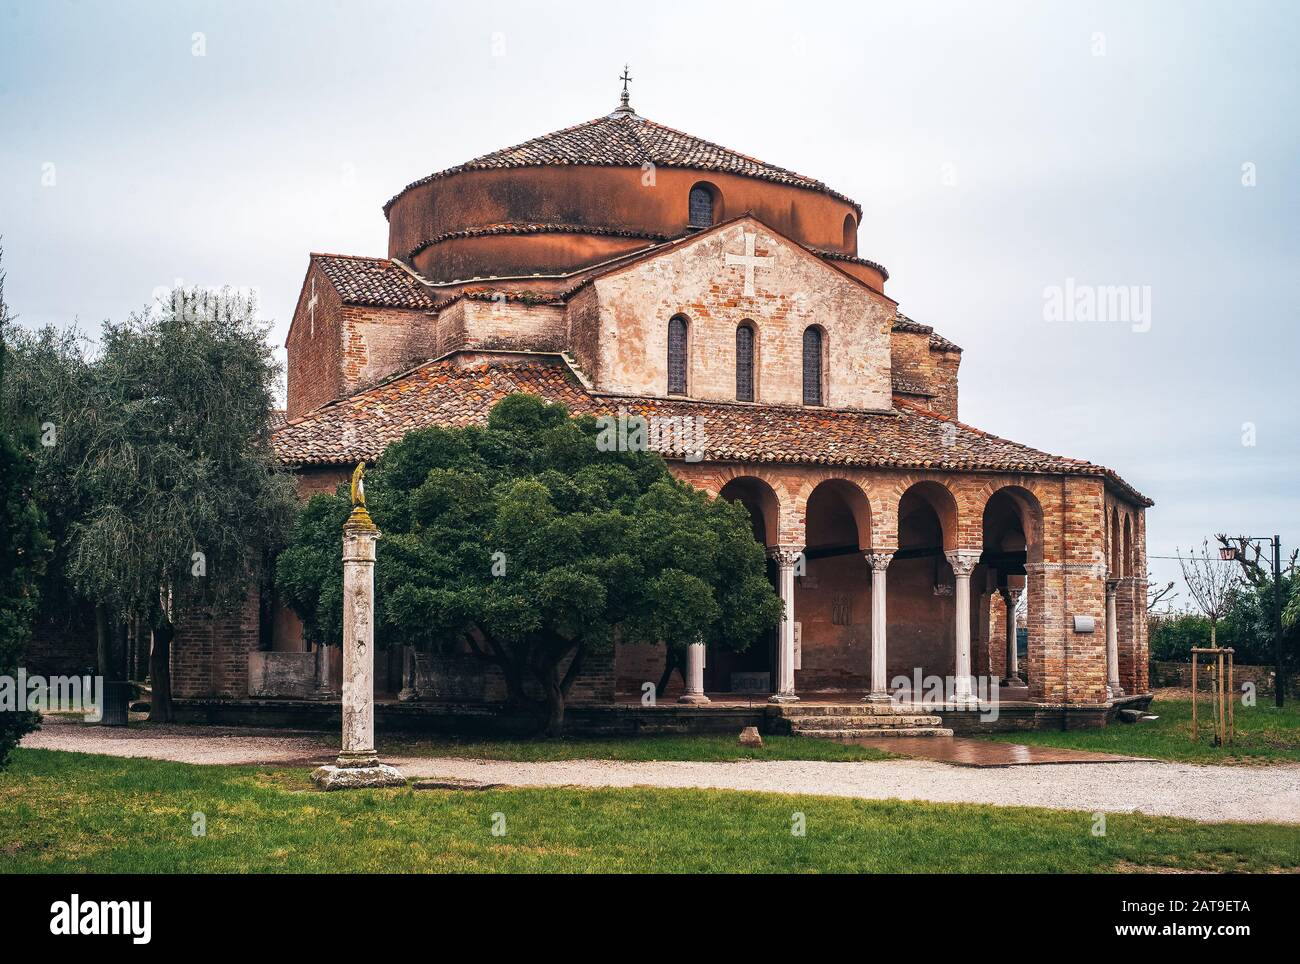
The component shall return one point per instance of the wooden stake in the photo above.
(1232, 696)
(1195, 660)
(1221, 721)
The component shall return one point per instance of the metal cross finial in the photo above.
(623, 98)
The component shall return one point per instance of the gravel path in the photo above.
(1206, 793)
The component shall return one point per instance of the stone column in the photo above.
(786, 559)
(1011, 596)
(358, 763)
(963, 562)
(408, 691)
(1113, 689)
(879, 683)
(324, 690)
(694, 675)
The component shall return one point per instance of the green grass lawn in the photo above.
(77, 812)
(1264, 734)
(693, 748)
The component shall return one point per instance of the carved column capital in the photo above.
(879, 561)
(785, 556)
(963, 561)
(1111, 586)
(1010, 595)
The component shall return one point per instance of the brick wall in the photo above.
(209, 657)
(913, 359)
(314, 346)
(63, 642)
(337, 349)
(1180, 675)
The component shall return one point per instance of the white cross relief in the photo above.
(749, 262)
(311, 308)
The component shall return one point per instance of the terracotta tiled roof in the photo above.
(625, 139)
(373, 282)
(443, 393)
(937, 341)
(516, 228)
(839, 256)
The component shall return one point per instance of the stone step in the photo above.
(793, 710)
(855, 722)
(869, 732)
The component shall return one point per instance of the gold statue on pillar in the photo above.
(359, 485)
(360, 517)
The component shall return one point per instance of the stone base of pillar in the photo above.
(1114, 690)
(783, 698)
(874, 697)
(1016, 681)
(357, 778)
(964, 703)
(696, 699)
(407, 694)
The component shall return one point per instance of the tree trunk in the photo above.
(122, 650)
(671, 664)
(103, 645)
(160, 672)
(554, 702)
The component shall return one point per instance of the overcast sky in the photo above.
(999, 150)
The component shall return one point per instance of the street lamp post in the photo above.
(1230, 553)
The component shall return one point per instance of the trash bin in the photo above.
(117, 698)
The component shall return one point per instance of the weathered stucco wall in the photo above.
(792, 292)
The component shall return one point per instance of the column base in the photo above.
(1114, 690)
(876, 696)
(695, 699)
(357, 778)
(967, 701)
(1018, 681)
(783, 698)
(407, 694)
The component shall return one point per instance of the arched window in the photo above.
(700, 203)
(850, 235)
(677, 355)
(812, 366)
(745, 363)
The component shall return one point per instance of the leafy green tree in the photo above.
(23, 549)
(167, 494)
(524, 543)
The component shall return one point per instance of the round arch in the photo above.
(1130, 563)
(1114, 562)
(703, 205)
(761, 500)
(1028, 512)
(850, 235)
(854, 499)
(937, 497)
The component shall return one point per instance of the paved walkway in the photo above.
(969, 752)
(1206, 793)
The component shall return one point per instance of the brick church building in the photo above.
(620, 266)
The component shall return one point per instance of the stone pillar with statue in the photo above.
(358, 764)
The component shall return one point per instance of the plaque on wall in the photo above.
(751, 683)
